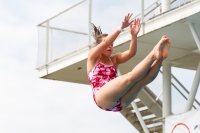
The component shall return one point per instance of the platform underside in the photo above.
(183, 53)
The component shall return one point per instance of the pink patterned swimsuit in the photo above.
(98, 77)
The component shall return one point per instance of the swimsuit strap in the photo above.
(111, 61)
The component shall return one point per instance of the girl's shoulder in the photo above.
(114, 59)
(91, 64)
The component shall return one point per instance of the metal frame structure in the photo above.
(196, 81)
(167, 103)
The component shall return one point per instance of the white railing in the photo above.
(57, 39)
(181, 93)
(155, 9)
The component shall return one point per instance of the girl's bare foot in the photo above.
(166, 47)
(157, 51)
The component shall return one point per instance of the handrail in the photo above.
(182, 87)
(78, 3)
(146, 9)
(156, 2)
(55, 28)
(181, 93)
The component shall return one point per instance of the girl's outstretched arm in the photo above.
(108, 40)
(125, 56)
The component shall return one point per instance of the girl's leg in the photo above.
(152, 74)
(112, 91)
(133, 92)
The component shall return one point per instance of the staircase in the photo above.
(150, 109)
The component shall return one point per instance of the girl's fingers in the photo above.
(130, 16)
(125, 18)
(131, 21)
(131, 26)
(138, 21)
(135, 22)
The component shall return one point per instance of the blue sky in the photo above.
(29, 104)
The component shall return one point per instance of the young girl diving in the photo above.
(112, 92)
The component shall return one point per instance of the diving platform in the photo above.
(184, 51)
(181, 23)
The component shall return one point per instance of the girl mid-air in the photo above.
(114, 93)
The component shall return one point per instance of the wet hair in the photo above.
(97, 34)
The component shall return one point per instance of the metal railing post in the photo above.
(165, 5)
(195, 34)
(166, 91)
(47, 43)
(142, 15)
(194, 89)
(142, 11)
(89, 21)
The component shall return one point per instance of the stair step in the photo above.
(140, 104)
(131, 115)
(147, 121)
(157, 129)
(150, 121)
(146, 112)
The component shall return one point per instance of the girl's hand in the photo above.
(126, 22)
(135, 27)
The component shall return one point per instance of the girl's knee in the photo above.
(127, 78)
(140, 84)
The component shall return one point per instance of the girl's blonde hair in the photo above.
(97, 34)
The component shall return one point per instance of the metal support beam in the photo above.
(194, 89)
(142, 11)
(195, 34)
(166, 91)
(142, 16)
(165, 5)
(89, 21)
(50, 44)
(47, 43)
(144, 126)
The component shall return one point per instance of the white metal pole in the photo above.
(47, 43)
(194, 89)
(165, 5)
(142, 15)
(89, 21)
(136, 110)
(195, 34)
(142, 11)
(166, 91)
(50, 43)
(144, 126)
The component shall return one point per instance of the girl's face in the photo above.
(108, 51)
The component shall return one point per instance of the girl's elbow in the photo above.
(133, 54)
